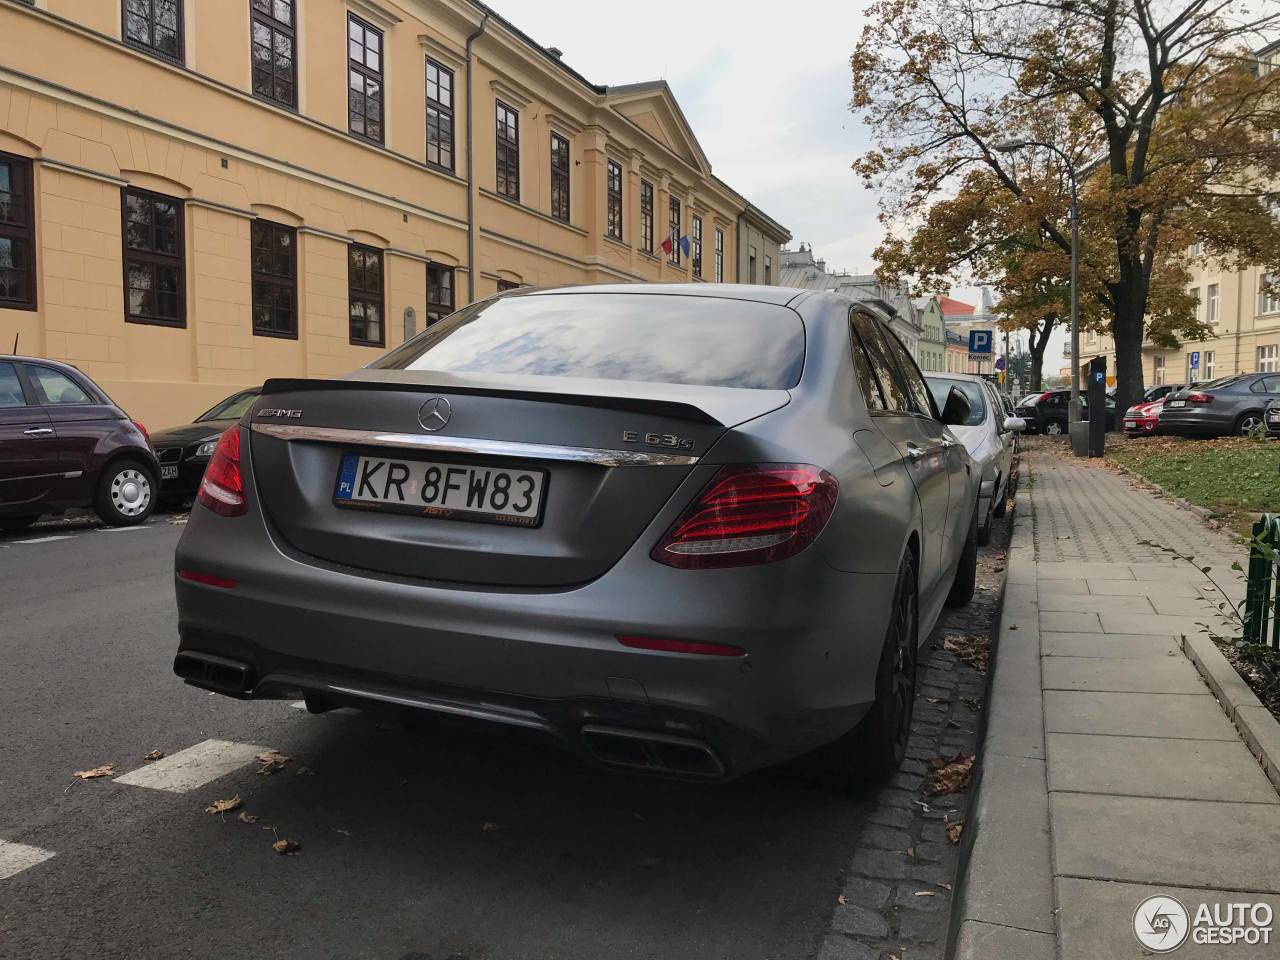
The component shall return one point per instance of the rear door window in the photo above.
(654, 338)
(880, 365)
(912, 379)
(1267, 385)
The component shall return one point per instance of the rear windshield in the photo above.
(656, 338)
(232, 408)
(940, 387)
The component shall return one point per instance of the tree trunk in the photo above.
(1127, 327)
(1038, 342)
(1037, 369)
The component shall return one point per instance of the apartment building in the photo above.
(196, 196)
(1243, 315)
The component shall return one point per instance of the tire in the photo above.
(1002, 503)
(984, 531)
(1054, 428)
(127, 493)
(873, 751)
(17, 524)
(1248, 422)
(966, 581)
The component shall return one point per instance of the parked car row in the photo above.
(1046, 413)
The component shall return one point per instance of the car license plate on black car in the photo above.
(453, 491)
(1176, 403)
(168, 471)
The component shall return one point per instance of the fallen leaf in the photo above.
(842, 899)
(345, 833)
(154, 755)
(1013, 626)
(925, 893)
(247, 817)
(106, 770)
(271, 761)
(944, 885)
(951, 776)
(491, 827)
(285, 845)
(953, 831)
(911, 852)
(972, 649)
(937, 700)
(224, 806)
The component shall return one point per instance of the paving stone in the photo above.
(879, 863)
(1161, 675)
(1142, 588)
(920, 896)
(1060, 622)
(859, 921)
(891, 816)
(1065, 588)
(920, 925)
(1122, 645)
(867, 893)
(1175, 715)
(1151, 623)
(1093, 604)
(885, 838)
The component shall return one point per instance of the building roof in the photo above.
(801, 269)
(955, 308)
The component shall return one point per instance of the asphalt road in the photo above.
(451, 843)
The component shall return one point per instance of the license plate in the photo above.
(453, 491)
(168, 471)
(1176, 403)
(1131, 423)
(1273, 416)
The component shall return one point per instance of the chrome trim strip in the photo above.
(475, 711)
(503, 448)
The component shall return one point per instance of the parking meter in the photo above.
(1096, 392)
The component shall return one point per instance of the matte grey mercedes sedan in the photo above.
(688, 530)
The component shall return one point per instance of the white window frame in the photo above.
(1211, 304)
(1269, 358)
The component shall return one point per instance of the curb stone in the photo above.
(1259, 729)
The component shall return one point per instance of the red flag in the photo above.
(666, 246)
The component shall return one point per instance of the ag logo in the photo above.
(1161, 924)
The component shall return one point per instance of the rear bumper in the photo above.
(546, 660)
(1195, 420)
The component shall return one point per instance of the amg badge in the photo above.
(277, 412)
(657, 439)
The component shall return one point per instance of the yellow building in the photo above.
(1245, 320)
(195, 196)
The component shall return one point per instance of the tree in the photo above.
(1159, 103)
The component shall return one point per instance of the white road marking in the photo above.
(121, 529)
(193, 767)
(60, 536)
(16, 857)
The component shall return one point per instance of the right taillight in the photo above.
(222, 489)
(1200, 398)
(748, 514)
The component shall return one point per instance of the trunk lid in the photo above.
(591, 438)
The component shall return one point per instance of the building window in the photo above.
(275, 69)
(508, 151)
(1159, 369)
(439, 115)
(768, 270)
(439, 292)
(1211, 304)
(507, 285)
(154, 286)
(646, 216)
(615, 200)
(697, 246)
(275, 279)
(673, 227)
(559, 177)
(364, 80)
(154, 26)
(1268, 294)
(1208, 365)
(364, 283)
(1268, 359)
(751, 266)
(17, 246)
(1195, 311)
(719, 256)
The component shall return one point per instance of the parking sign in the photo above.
(979, 341)
(1195, 359)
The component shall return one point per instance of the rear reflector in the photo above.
(748, 514)
(681, 646)
(222, 489)
(208, 579)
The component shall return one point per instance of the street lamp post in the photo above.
(1009, 146)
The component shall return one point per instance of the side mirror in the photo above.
(1014, 424)
(956, 410)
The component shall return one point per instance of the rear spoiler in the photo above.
(659, 408)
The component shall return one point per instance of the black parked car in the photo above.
(184, 451)
(1273, 418)
(1046, 413)
(64, 444)
(1222, 407)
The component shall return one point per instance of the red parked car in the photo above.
(1143, 419)
(64, 444)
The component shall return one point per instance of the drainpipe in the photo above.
(737, 247)
(471, 193)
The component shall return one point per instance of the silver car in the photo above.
(689, 530)
(990, 435)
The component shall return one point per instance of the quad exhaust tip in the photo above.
(652, 752)
(213, 672)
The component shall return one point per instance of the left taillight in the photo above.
(222, 489)
(749, 514)
(143, 430)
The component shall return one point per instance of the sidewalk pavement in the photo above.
(1109, 771)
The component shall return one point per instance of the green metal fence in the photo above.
(1262, 598)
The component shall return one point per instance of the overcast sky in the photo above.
(765, 88)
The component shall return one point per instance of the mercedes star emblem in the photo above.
(434, 414)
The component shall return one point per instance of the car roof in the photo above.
(716, 291)
(59, 364)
